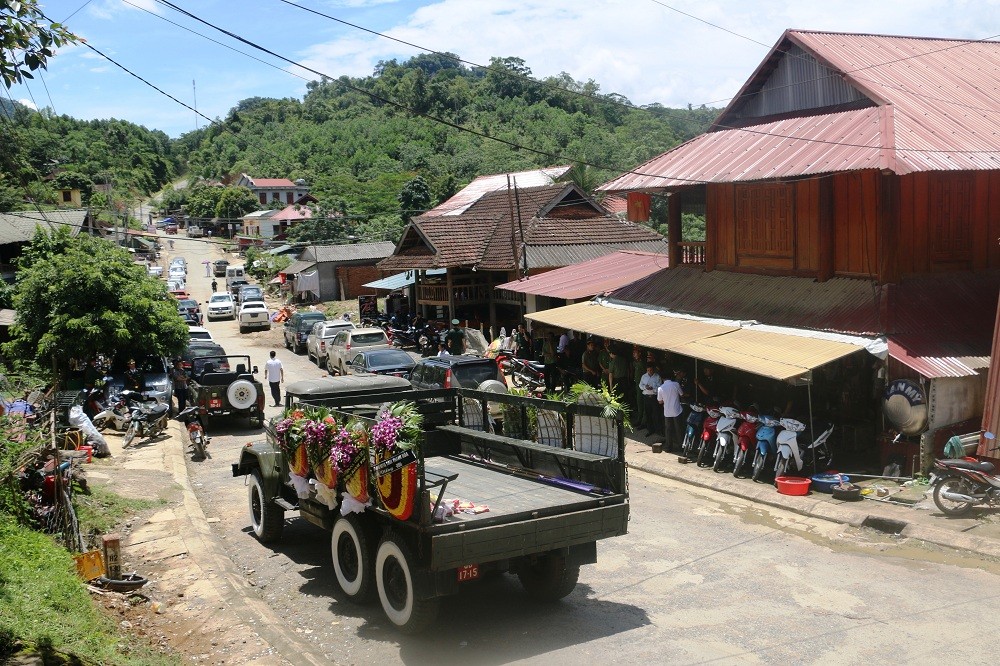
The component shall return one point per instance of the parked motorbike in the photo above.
(708, 427)
(692, 434)
(191, 418)
(523, 373)
(767, 445)
(725, 437)
(746, 439)
(115, 414)
(147, 420)
(962, 483)
(790, 457)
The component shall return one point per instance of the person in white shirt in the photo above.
(648, 384)
(275, 374)
(443, 350)
(669, 395)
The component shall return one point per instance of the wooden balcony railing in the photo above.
(691, 252)
(438, 294)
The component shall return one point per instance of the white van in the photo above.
(234, 273)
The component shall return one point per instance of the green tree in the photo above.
(78, 296)
(263, 266)
(235, 202)
(202, 201)
(414, 198)
(27, 40)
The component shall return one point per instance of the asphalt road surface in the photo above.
(700, 578)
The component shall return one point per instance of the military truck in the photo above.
(532, 509)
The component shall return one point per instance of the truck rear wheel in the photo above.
(394, 570)
(550, 578)
(352, 558)
(266, 518)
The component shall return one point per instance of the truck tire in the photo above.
(267, 519)
(550, 578)
(242, 394)
(353, 561)
(394, 570)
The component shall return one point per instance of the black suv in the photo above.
(453, 371)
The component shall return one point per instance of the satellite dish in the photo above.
(905, 406)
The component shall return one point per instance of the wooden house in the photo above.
(851, 194)
(489, 234)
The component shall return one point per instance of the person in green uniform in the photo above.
(455, 339)
(604, 361)
(619, 372)
(591, 364)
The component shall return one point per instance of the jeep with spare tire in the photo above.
(226, 386)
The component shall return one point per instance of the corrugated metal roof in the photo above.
(842, 305)
(345, 253)
(943, 323)
(937, 110)
(539, 256)
(271, 182)
(590, 278)
(400, 280)
(765, 353)
(293, 212)
(20, 227)
(471, 193)
(297, 267)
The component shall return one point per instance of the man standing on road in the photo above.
(669, 395)
(275, 374)
(215, 286)
(180, 385)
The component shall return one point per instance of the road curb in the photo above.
(810, 506)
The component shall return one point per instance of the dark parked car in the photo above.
(191, 306)
(297, 329)
(219, 267)
(155, 376)
(395, 362)
(250, 292)
(197, 350)
(453, 371)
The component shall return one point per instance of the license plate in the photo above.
(468, 572)
(215, 403)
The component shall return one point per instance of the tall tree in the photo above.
(77, 296)
(414, 198)
(27, 40)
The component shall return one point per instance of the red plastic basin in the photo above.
(792, 485)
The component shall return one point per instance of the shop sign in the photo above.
(908, 390)
(905, 406)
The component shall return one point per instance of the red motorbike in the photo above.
(962, 483)
(708, 435)
(523, 373)
(746, 440)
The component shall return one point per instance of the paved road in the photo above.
(699, 578)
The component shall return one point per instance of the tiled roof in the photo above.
(931, 106)
(554, 216)
(548, 256)
(19, 227)
(468, 195)
(590, 278)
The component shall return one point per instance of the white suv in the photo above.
(220, 306)
(338, 349)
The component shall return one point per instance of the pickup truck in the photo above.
(224, 386)
(254, 315)
(463, 503)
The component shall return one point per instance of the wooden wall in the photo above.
(856, 224)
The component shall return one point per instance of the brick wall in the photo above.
(351, 278)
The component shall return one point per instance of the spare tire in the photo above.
(242, 394)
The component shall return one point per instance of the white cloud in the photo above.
(109, 8)
(28, 103)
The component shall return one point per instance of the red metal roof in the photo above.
(937, 108)
(272, 182)
(591, 278)
(293, 212)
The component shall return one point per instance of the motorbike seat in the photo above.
(976, 465)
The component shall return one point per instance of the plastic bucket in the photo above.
(793, 485)
(89, 450)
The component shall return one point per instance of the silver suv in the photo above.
(320, 337)
(339, 349)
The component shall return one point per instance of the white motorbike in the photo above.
(725, 438)
(147, 420)
(115, 415)
(791, 458)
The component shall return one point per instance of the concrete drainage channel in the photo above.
(884, 525)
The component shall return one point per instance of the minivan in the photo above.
(234, 273)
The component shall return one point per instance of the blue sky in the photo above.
(647, 50)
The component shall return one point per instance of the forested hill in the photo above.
(358, 140)
(41, 152)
